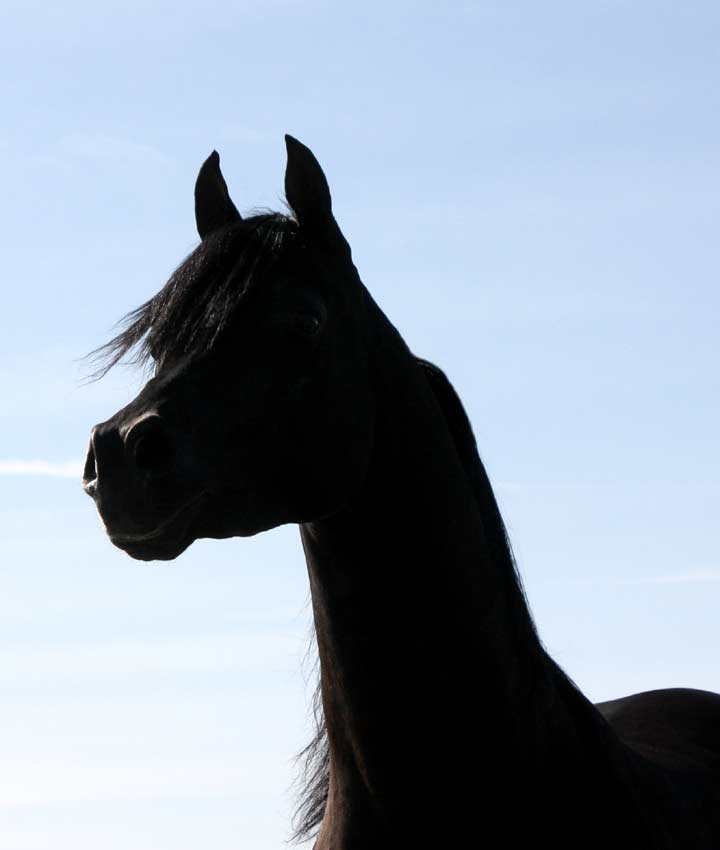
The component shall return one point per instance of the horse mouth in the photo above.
(167, 540)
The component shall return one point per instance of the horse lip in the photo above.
(119, 539)
(137, 538)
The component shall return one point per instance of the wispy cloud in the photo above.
(691, 577)
(104, 148)
(69, 469)
(699, 576)
(29, 783)
(253, 652)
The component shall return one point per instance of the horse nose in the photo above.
(90, 472)
(149, 445)
(104, 454)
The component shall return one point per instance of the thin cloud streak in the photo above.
(34, 783)
(691, 577)
(249, 653)
(53, 469)
(111, 149)
(681, 578)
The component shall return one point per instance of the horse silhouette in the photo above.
(282, 394)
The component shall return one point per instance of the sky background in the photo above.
(531, 192)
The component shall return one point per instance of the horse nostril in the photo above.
(89, 479)
(152, 453)
(149, 445)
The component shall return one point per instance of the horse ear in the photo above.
(306, 187)
(213, 207)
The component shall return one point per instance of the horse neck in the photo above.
(429, 661)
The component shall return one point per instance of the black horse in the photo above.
(282, 393)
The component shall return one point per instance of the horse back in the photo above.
(675, 734)
(674, 728)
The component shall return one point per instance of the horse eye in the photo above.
(307, 323)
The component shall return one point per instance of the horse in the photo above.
(281, 393)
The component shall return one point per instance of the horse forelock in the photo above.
(190, 312)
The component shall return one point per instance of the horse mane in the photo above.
(496, 535)
(315, 758)
(189, 313)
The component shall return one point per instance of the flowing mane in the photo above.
(189, 314)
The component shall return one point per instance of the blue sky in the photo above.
(531, 192)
